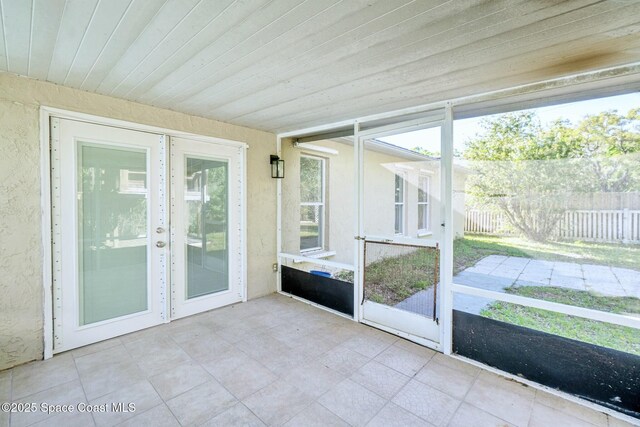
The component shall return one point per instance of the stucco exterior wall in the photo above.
(379, 197)
(21, 301)
(21, 336)
(339, 199)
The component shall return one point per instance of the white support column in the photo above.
(279, 219)
(358, 261)
(446, 259)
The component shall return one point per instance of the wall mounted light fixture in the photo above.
(277, 166)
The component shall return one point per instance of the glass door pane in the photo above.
(207, 249)
(207, 197)
(112, 232)
(108, 267)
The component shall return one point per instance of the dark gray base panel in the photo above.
(608, 377)
(331, 293)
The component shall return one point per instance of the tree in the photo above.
(611, 143)
(528, 171)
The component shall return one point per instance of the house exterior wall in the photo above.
(379, 197)
(339, 199)
(21, 250)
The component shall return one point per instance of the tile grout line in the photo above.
(47, 389)
(317, 400)
(212, 378)
(250, 410)
(480, 371)
(146, 377)
(240, 401)
(463, 400)
(565, 412)
(209, 373)
(82, 386)
(411, 378)
(533, 402)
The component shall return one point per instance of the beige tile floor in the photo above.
(276, 361)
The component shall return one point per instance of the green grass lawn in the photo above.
(599, 333)
(472, 248)
(618, 305)
(395, 278)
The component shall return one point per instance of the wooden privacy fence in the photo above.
(613, 226)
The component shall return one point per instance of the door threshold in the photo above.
(413, 338)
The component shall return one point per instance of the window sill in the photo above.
(316, 254)
(424, 233)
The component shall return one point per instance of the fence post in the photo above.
(626, 226)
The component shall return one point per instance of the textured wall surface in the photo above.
(21, 296)
(20, 242)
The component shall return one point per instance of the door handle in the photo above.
(161, 244)
(159, 230)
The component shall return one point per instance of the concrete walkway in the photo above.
(498, 272)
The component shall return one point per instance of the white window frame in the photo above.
(403, 203)
(423, 178)
(322, 228)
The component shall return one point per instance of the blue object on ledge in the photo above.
(321, 273)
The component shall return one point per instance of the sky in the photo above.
(429, 139)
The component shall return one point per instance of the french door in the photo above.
(143, 231)
(400, 228)
(206, 236)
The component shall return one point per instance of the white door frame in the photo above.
(69, 333)
(46, 113)
(180, 305)
(430, 119)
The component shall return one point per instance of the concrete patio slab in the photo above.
(470, 304)
(495, 258)
(542, 279)
(497, 273)
(532, 282)
(560, 280)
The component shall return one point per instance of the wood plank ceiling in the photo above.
(279, 65)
